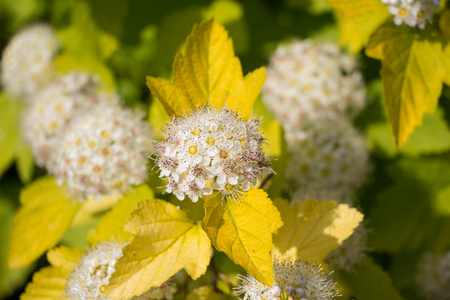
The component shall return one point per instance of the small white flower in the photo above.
(211, 145)
(433, 276)
(53, 107)
(327, 154)
(304, 79)
(294, 279)
(414, 13)
(27, 60)
(91, 276)
(102, 151)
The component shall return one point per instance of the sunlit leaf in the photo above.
(313, 228)
(48, 283)
(165, 241)
(353, 8)
(46, 213)
(111, 225)
(208, 73)
(64, 257)
(24, 162)
(243, 230)
(355, 36)
(9, 133)
(413, 69)
(369, 282)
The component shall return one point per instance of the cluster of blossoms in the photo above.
(296, 280)
(27, 60)
(351, 251)
(433, 276)
(304, 79)
(91, 276)
(102, 151)
(329, 155)
(211, 144)
(414, 13)
(53, 107)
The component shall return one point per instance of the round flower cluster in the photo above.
(351, 251)
(27, 60)
(53, 107)
(91, 276)
(211, 144)
(103, 151)
(414, 13)
(304, 79)
(296, 280)
(328, 154)
(433, 276)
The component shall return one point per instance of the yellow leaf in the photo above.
(47, 211)
(48, 283)
(165, 241)
(413, 68)
(205, 293)
(244, 231)
(353, 8)
(355, 36)
(64, 257)
(313, 228)
(111, 225)
(208, 74)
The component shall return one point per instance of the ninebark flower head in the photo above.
(102, 151)
(414, 13)
(328, 154)
(53, 107)
(27, 60)
(211, 144)
(91, 276)
(294, 280)
(304, 79)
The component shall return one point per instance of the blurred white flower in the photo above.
(304, 79)
(102, 151)
(27, 60)
(53, 107)
(327, 154)
(433, 276)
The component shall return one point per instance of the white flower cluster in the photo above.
(329, 155)
(211, 144)
(351, 251)
(27, 60)
(296, 280)
(53, 107)
(433, 276)
(102, 151)
(414, 13)
(91, 276)
(304, 79)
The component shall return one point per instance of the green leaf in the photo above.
(404, 216)
(205, 293)
(111, 225)
(432, 137)
(24, 162)
(369, 282)
(444, 23)
(165, 241)
(313, 228)
(9, 130)
(414, 66)
(47, 211)
(243, 230)
(208, 73)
